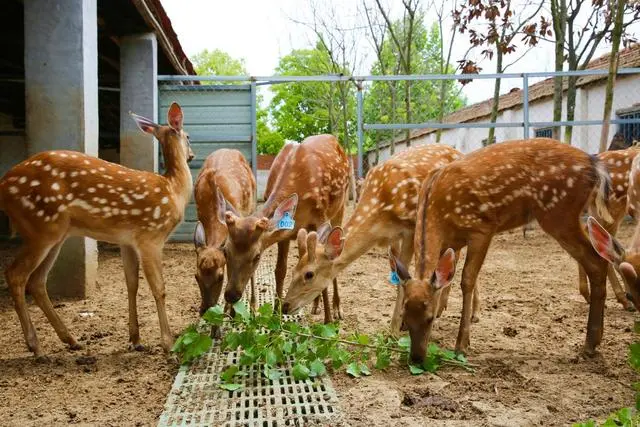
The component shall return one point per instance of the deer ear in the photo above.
(175, 116)
(397, 266)
(230, 219)
(605, 245)
(221, 205)
(312, 242)
(323, 232)
(199, 239)
(263, 224)
(302, 242)
(445, 270)
(335, 243)
(144, 124)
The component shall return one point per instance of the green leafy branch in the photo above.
(267, 340)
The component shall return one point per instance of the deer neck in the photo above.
(358, 240)
(177, 172)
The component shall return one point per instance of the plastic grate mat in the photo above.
(196, 400)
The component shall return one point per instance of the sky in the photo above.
(261, 31)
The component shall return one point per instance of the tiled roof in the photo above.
(629, 58)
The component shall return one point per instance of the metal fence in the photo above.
(524, 112)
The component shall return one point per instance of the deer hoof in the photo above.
(475, 319)
(630, 308)
(42, 359)
(315, 309)
(136, 347)
(337, 314)
(75, 346)
(216, 332)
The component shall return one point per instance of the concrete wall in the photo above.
(13, 147)
(589, 104)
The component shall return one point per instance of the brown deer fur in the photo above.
(618, 164)
(491, 190)
(56, 194)
(317, 171)
(225, 182)
(385, 214)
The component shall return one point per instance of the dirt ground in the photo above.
(532, 326)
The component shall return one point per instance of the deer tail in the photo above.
(602, 190)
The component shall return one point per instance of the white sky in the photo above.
(261, 31)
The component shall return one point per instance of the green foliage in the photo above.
(266, 340)
(430, 100)
(218, 63)
(628, 417)
(303, 109)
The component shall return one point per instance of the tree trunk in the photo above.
(559, 14)
(571, 107)
(392, 147)
(613, 69)
(496, 98)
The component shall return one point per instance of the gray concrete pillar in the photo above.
(61, 90)
(139, 94)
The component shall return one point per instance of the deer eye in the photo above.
(308, 275)
(256, 258)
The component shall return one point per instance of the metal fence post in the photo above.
(360, 133)
(525, 104)
(254, 134)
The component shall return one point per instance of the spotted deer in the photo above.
(626, 262)
(225, 183)
(618, 163)
(385, 215)
(311, 187)
(56, 194)
(491, 190)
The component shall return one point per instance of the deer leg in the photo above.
(617, 289)
(476, 253)
(326, 306)
(131, 270)
(443, 301)
(281, 268)
(316, 305)
(337, 311)
(583, 286)
(37, 286)
(152, 267)
(17, 275)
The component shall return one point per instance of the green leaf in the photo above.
(272, 374)
(363, 339)
(634, 355)
(287, 347)
(461, 358)
(415, 370)
(353, 369)
(229, 373)
(364, 369)
(230, 387)
(270, 358)
(266, 310)
(214, 315)
(317, 368)
(431, 364)
(300, 372)
(404, 342)
(241, 309)
(383, 358)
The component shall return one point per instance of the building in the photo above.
(589, 103)
(70, 71)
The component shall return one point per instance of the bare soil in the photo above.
(527, 343)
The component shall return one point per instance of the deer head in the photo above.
(421, 299)
(248, 238)
(627, 264)
(317, 253)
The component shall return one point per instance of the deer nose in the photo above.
(232, 296)
(285, 308)
(629, 297)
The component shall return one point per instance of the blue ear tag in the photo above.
(286, 222)
(394, 279)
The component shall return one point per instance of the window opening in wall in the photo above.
(544, 133)
(629, 131)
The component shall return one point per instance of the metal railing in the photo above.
(359, 81)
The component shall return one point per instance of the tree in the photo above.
(428, 98)
(616, 36)
(586, 24)
(303, 109)
(559, 19)
(218, 63)
(496, 30)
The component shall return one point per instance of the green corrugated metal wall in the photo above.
(220, 116)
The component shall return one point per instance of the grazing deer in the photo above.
(225, 183)
(276, 166)
(312, 184)
(385, 214)
(618, 164)
(491, 190)
(626, 262)
(56, 194)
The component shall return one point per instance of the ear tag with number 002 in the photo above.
(286, 222)
(394, 279)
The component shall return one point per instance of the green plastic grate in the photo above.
(196, 400)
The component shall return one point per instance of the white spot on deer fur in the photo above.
(54, 172)
(136, 212)
(147, 209)
(86, 162)
(62, 208)
(101, 169)
(620, 188)
(22, 179)
(157, 189)
(13, 190)
(100, 185)
(91, 190)
(47, 167)
(69, 196)
(156, 212)
(74, 184)
(73, 174)
(164, 200)
(59, 196)
(47, 218)
(577, 167)
(570, 182)
(55, 186)
(40, 212)
(483, 207)
(83, 172)
(458, 210)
